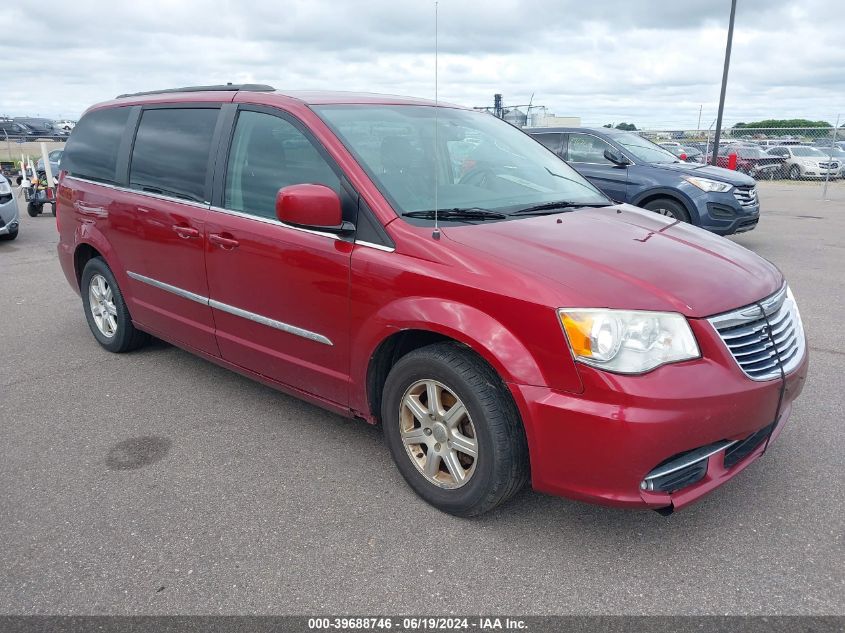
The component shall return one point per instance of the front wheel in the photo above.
(106, 311)
(33, 209)
(453, 430)
(8, 237)
(669, 208)
(795, 172)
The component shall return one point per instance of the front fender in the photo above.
(463, 323)
(675, 193)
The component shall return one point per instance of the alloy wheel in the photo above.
(101, 302)
(438, 434)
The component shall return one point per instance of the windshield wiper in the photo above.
(457, 213)
(550, 207)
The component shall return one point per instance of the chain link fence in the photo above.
(810, 154)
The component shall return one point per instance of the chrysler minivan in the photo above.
(437, 271)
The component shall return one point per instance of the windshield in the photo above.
(807, 151)
(480, 162)
(643, 149)
(751, 152)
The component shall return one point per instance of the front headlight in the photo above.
(627, 342)
(705, 184)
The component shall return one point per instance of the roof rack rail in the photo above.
(218, 88)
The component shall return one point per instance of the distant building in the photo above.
(516, 117)
(542, 119)
(528, 115)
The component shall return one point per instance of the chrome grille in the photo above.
(761, 353)
(747, 196)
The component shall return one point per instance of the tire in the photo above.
(669, 208)
(8, 237)
(33, 209)
(124, 336)
(795, 172)
(491, 421)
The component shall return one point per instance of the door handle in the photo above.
(185, 232)
(224, 242)
(86, 209)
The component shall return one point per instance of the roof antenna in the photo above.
(436, 233)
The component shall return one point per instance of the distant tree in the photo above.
(789, 126)
(608, 125)
(628, 127)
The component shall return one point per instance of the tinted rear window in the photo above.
(171, 152)
(91, 151)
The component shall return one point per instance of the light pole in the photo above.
(724, 84)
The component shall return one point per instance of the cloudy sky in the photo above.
(651, 62)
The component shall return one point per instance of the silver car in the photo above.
(55, 158)
(9, 219)
(802, 161)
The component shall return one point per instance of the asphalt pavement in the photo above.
(158, 483)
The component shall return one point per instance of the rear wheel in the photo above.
(453, 430)
(106, 311)
(33, 209)
(669, 208)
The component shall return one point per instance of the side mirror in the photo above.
(312, 207)
(616, 157)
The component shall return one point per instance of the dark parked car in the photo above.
(629, 168)
(44, 128)
(686, 153)
(751, 160)
(16, 130)
(510, 324)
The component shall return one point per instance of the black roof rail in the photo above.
(218, 88)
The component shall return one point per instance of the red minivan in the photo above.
(435, 270)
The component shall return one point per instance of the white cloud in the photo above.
(652, 62)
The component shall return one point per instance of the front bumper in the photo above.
(9, 220)
(723, 214)
(600, 445)
(819, 172)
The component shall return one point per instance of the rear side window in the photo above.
(552, 141)
(171, 151)
(585, 148)
(91, 151)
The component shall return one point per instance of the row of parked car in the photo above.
(790, 159)
(630, 168)
(35, 129)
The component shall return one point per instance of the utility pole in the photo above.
(724, 84)
(698, 129)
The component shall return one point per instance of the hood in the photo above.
(627, 258)
(708, 171)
